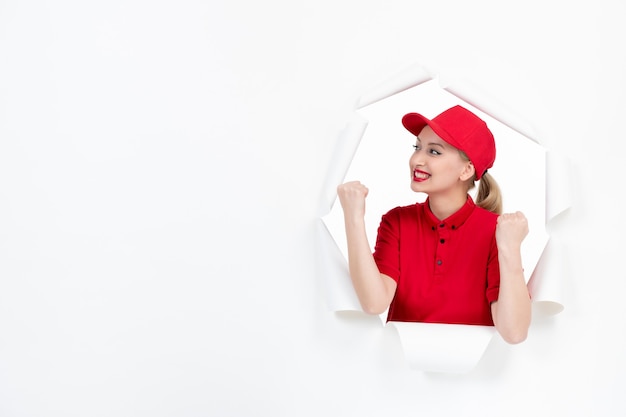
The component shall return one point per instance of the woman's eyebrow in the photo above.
(441, 145)
(436, 144)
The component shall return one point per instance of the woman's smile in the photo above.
(420, 176)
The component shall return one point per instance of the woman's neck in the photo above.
(444, 206)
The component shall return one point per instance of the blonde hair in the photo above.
(489, 195)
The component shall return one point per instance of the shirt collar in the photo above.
(453, 221)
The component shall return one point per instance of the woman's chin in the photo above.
(417, 187)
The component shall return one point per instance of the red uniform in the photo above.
(447, 270)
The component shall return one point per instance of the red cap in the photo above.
(462, 129)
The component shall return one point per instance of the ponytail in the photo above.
(489, 196)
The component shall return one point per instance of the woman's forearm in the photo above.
(512, 311)
(374, 290)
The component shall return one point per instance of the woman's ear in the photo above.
(468, 172)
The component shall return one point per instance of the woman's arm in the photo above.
(374, 290)
(512, 312)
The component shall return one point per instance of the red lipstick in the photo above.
(420, 176)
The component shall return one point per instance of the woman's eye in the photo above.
(435, 152)
(416, 147)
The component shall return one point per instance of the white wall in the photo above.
(161, 165)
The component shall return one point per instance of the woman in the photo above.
(447, 260)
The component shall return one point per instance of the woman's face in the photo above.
(436, 166)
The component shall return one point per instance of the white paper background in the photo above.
(162, 166)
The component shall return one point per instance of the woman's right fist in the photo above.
(352, 198)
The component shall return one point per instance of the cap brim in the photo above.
(415, 122)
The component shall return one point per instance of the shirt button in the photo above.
(442, 241)
(439, 262)
(433, 227)
(441, 225)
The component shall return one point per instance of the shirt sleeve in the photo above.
(493, 273)
(387, 249)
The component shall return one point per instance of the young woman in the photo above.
(449, 259)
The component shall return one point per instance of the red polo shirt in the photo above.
(447, 270)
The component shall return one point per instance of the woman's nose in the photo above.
(416, 160)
